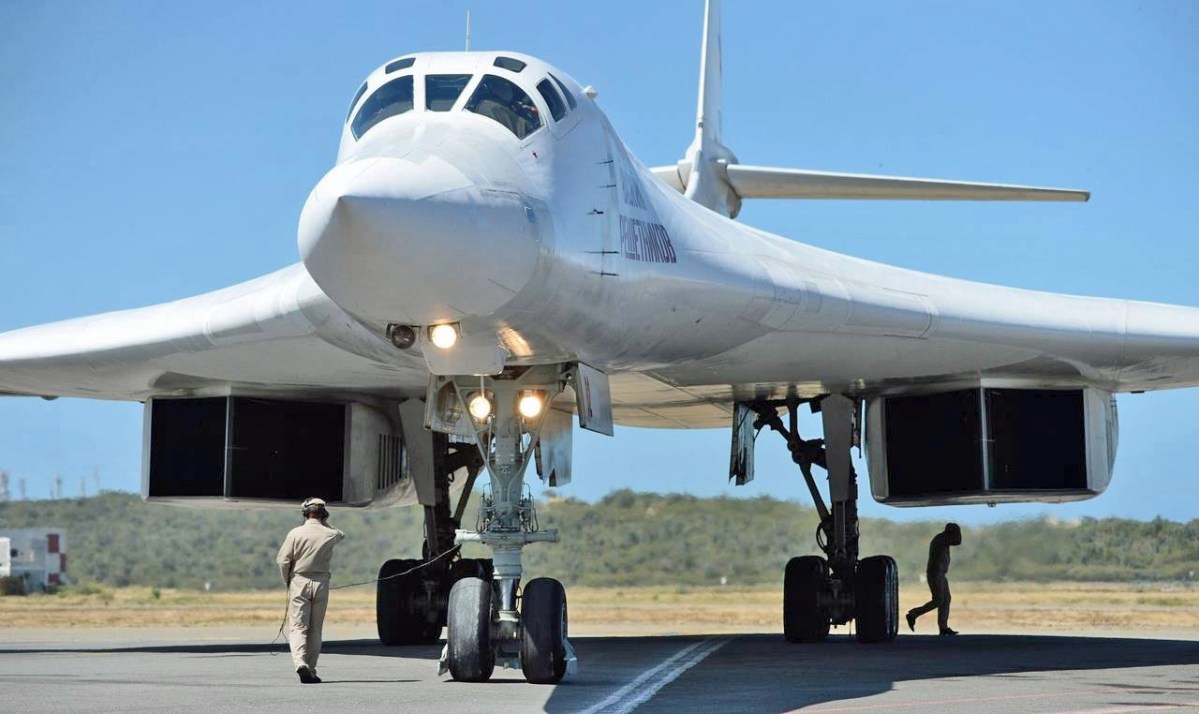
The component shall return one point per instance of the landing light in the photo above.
(443, 336)
(530, 405)
(479, 406)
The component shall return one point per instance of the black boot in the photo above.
(306, 676)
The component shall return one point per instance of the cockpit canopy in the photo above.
(496, 94)
(499, 99)
(393, 98)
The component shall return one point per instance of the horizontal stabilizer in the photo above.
(765, 182)
(710, 175)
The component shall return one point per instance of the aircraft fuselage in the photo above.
(567, 247)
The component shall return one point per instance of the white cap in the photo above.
(313, 502)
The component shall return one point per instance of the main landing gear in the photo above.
(492, 619)
(819, 592)
(411, 601)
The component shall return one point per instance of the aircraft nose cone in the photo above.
(397, 240)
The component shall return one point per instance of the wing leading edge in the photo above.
(275, 333)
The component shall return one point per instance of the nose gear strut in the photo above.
(493, 622)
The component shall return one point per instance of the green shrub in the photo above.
(12, 585)
(82, 589)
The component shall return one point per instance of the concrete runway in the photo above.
(225, 670)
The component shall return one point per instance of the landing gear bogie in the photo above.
(408, 609)
(838, 588)
(411, 609)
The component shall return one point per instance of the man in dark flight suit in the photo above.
(938, 582)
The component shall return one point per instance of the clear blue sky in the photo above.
(151, 151)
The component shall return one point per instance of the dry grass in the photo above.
(977, 607)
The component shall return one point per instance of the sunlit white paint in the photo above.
(446, 216)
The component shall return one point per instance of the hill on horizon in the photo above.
(627, 538)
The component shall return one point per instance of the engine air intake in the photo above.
(232, 449)
(991, 445)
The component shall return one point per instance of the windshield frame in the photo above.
(508, 113)
(360, 130)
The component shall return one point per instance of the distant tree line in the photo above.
(627, 538)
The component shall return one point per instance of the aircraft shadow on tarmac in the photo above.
(765, 673)
(769, 674)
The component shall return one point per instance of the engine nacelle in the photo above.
(239, 450)
(991, 445)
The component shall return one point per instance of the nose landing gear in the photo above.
(493, 621)
(412, 595)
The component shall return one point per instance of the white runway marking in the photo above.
(640, 690)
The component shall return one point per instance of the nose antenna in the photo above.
(468, 30)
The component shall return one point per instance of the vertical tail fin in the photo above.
(702, 169)
(710, 176)
(709, 119)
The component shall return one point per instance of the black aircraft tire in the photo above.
(468, 631)
(876, 599)
(803, 581)
(543, 616)
(470, 568)
(397, 616)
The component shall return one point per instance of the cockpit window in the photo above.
(569, 97)
(354, 101)
(503, 101)
(550, 95)
(508, 63)
(399, 64)
(442, 90)
(391, 99)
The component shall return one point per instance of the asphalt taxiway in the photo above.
(225, 670)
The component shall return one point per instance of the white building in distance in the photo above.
(37, 555)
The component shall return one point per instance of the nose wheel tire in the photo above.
(543, 647)
(876, 592)
(401, 607)
(469, 653)
(803, 581)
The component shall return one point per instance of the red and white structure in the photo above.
(38, 555)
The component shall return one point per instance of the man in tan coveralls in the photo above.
(304, 561)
